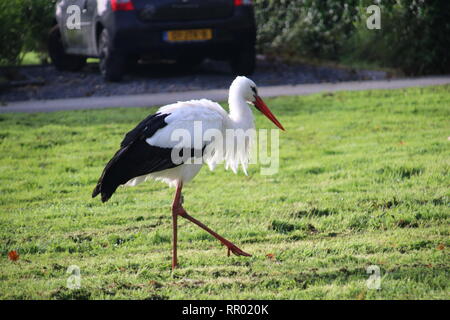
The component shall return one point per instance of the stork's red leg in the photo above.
(174, 236)
(176, 203)
(179, 210)
(231, 247)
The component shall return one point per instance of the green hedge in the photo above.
(11, 33)
(308, 28)
(24, 27)
(414, 35)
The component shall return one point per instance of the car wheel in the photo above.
(243, 63)
(60, 59)
(111, 62)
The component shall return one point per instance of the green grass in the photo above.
(33, 58)
(363, 179)
(30, 58)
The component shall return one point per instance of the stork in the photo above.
(147, 151)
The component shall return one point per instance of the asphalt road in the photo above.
(157, 99)
(164, 77)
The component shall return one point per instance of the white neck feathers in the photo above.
(240, 113)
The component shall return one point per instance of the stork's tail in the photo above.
(110, 179)
(106, 191)
(97, 190)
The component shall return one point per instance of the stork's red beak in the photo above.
(261, 106)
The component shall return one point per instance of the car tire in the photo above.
(244, 62)
(112, 63)
(60, 59)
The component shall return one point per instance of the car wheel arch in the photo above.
(98, 31)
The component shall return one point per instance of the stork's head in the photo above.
(247, 89)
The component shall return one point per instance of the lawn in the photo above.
(363, 180)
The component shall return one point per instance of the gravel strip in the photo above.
(160, 78)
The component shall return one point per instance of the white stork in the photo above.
(147, 150)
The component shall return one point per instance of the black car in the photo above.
(121, 32)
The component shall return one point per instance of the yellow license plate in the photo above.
(189, 35)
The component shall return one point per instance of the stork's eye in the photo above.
(254, 90)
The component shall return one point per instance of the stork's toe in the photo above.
(238, 252)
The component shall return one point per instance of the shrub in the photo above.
(304, 27)
(24, 27)
(11, 31)
(39, 19)
(414, 36)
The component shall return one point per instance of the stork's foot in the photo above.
(236, 251)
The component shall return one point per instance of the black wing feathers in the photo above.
(135, 157)
(145, 129)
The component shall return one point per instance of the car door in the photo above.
(68, 14)
(88, 13)
(62, 18)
